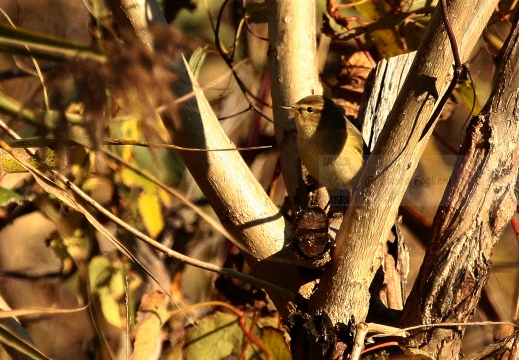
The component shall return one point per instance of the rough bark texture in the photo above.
(507, 348)
(343, 292)
(476, 206)
(383, 84)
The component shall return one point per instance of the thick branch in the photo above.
(293, 73)
(343, 292)
(237, 198)
(239, 201)
(134, 17)
(475, 208)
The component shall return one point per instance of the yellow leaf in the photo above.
(153, 314)
(151, 212)
(466, 92)
(100, 271)
(110, 307)
(164, 197)
(275, 343)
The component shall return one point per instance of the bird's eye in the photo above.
(309, 109)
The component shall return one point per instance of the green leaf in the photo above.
(8, 197)
(100, 271)
(117, 284)
(219, 335)
(214, 337)
(197, 60)
(466, 92)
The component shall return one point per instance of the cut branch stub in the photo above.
(311, 241)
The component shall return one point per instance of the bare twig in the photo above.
(228, 55)
(155, 244)
(457, 68)
(358, 343)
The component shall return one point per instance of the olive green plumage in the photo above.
(330, 146)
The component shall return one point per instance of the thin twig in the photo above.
(452, 38)
(39, 73)
(227, 56)
(247, 24)
(458, 66)
(446, 325)
(38, 141)
(155, 244)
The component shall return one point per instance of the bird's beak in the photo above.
(290, 108)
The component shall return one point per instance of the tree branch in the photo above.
(134, 17)
(244, 209)
(293, 75)
(475, 208)
(343, 292)
(239, 201)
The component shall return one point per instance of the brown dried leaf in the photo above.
(354, 71)
(151, 317)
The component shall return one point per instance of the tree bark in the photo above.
(343, 292)
(255, 224)
(244, 209)
(293, 75)
(134, 18)
(478, 203)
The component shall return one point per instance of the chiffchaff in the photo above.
(330, 146)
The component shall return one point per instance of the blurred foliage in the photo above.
(100, 88)
(115, 286)
(220, 335)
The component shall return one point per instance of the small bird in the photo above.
(330, 146)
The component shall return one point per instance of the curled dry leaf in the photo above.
(353, 72)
